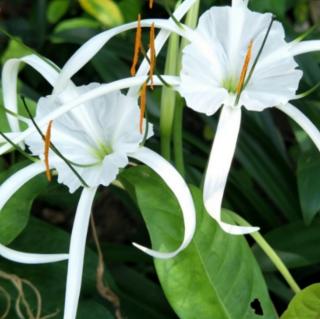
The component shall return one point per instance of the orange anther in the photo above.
(245, 68)
(143, 100)
(137, 48)
(152, 54)
(47, 143)
(150, 4)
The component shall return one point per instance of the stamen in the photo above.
(152, 55)
(47, 143)
(150, 4)
(245, 68)
(143, 99)
(54, 149)
(137, 47)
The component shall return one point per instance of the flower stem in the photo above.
(191, 21)
(168, 99)
(270, 252)
(178, 136)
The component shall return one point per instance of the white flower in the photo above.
(209, 78)
(95, 127)
(228, 45)
(98, 137)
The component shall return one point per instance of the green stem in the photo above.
(269, 251)
(178, 136)
(191, 21)
(168, 99)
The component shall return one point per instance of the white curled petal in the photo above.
(9, 82)
(76, 252)
(219, 164)
(92, 94)
(180, 189)
(298, 48)
(88, 50)
(17, 180)
(7, 189)
(30, 258)
(302, 121)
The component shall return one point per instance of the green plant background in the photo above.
(274, 183)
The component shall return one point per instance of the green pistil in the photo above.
(230, 84)
(102, 151)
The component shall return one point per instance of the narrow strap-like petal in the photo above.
(219, 164)
(89, 49)
(7, 189)
(30, 258)
(180, 189)
(302, 121)
(297, 48)
(76, 252)
(92, 94)
(17, 180)
(9, 82)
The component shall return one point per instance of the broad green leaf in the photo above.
(309, 184)
(105, 11)
(217, 275)
(56, 10)
(15, 214)
(306, 304)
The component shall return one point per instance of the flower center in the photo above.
(102, 151)
(230, 84)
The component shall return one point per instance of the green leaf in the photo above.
(75, 23)
(15, 214)
(278, 7)
(130, 9)
(305, 304)
(217, 275)
(56, 10)
(309, 185)
(105, 11)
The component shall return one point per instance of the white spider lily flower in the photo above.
(210, 79)
(100, 136)
(96, 128)
(238, 58)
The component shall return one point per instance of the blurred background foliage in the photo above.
(274, 181)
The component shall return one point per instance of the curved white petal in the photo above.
(161, 40)
(9, 82)
(76, 252)
(91, 47)
(30, 258)
(303, 121)
(219, 164)
(17, 180)
(178, 186)
(298, 48)
(7, 189)
(101, 90)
